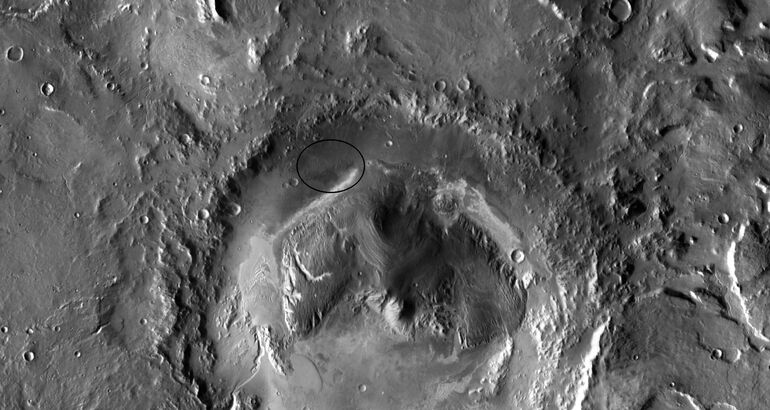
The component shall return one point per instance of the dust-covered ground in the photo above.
(401, 204)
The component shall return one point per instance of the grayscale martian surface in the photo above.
(385, 204)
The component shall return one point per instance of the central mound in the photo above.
(407, 244)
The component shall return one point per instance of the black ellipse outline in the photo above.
(363, 163)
